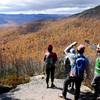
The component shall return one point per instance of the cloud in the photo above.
(46, 6)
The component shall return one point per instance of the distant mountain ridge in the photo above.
(90, 13)
(26, 18)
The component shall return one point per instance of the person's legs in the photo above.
(47, 75)
(96, 91)
(96, 86)
(78, 82)
(71, 85)
(52, 76)
(67, 81)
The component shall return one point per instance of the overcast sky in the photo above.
(46, 6)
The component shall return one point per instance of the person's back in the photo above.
(50, 60)
(77, 73)
(71, 54)
(80, 65)
(72, 58)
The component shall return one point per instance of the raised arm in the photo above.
(67, 50)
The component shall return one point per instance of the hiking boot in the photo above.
(52, 86)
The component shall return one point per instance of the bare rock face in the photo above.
(36, 90)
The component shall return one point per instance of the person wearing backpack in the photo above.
(50, 59)
(96, 79)
(77, 73)
(70, 53)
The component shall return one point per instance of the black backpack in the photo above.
(67, 62)
(49, 60)
(67, 65)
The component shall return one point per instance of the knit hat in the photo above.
(80, 47)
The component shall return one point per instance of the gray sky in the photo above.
(46, 6)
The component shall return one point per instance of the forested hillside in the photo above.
(22, 47)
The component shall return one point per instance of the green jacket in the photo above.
(97, 66)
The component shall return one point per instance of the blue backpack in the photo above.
(80, 65)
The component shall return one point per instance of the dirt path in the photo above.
(36, 90)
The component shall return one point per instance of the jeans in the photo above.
(96, 85)
(77, 81)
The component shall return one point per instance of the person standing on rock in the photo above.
(96, 79)
(70, 53)
(77, 73)
(50, 59)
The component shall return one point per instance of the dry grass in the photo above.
(20, 44)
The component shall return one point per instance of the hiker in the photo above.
(96, 79)
(77, 72)
(70, 58)
(50, 60)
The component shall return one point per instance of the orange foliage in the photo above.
(59, 33)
